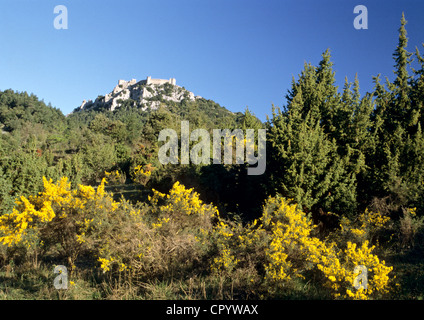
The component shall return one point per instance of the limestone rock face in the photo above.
(145, 94)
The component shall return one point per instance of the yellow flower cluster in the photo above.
(224, 262)
(142, 174)
(365, 227)
(358, 232)
(413, 211)
(36, 210)
(251, 235)
(138, 170)
(224, 230)
(342, 276)
(57, 200)
(292, 243)
(105, 264)
(278, 267)
(373, 219)
(181, 200)
(290, 240)
(115, 177)
(160, 223)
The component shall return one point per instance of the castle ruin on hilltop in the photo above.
(149, 80)
(136, 91)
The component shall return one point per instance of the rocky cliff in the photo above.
(140, 94)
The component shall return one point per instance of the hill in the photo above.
(145, 94)
(141, 99)
(115, 132)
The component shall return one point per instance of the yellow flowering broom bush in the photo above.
(290, 240)
(293, 250)
(115, 177)
(58, 218)
(225, 239)
(183, 206)
(176, 233)
(165, 237)
(366, 227)
(142, 174)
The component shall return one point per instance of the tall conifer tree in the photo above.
(305, 162)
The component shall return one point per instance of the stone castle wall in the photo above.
(149, 80)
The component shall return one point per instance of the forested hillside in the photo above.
(343, 188)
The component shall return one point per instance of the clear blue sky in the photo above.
(238, 53)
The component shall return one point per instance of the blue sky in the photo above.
(239, 53)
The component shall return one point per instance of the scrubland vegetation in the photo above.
(343, 187)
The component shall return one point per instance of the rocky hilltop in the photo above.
(145, 94)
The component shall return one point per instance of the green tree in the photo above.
(304, 160)
(397, 132)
